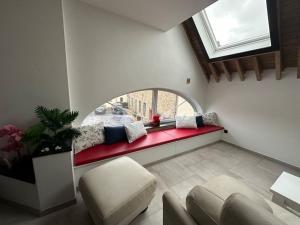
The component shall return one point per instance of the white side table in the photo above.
(286, 192)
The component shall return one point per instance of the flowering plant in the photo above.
(14, 136)
(155, 120)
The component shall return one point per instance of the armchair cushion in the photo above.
(223, 186)
(205, 207)
(238, 209)
(204, 203)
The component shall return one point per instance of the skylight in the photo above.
(229, 27)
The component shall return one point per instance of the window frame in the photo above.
(155, 100)
(140, 106)
(154, 103)
(272, 9)
(144, 108)
(135, 106)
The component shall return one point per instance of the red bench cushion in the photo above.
(103, 151)
(179, 134)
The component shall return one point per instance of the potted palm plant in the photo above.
(53, 134)
(54, 174)
(52, 185)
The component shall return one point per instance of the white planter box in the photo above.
(54, 187)
(54, 180)
(20, 192)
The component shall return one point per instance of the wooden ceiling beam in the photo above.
(289, 39)
(298, 73)
(278, 65)
(240, 69)
(226, 71)
(192, 35)
(257, 68)
(214, 72)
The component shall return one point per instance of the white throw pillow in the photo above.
(135, 130)
(91, 135)
(210, 119)
(186, 122)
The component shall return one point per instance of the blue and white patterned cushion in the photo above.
(186, 122)
(210, 118)
(135, 130)
(91, 135)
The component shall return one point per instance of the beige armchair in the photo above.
(224, 201)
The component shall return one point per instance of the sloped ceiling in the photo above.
(161, 14)
(287, 56)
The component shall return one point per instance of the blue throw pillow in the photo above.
(199, 121)
(114, 134)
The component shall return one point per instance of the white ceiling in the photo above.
(161, 14)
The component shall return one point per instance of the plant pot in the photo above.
(53, 188)
(54, 179)
(155, 123)
(53, 152)
(21, 170)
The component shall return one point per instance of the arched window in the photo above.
(141, 105)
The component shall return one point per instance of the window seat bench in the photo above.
(156, 146)
(153, 139)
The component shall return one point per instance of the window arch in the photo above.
(141, 105)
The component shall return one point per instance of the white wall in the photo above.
(261, 116)
(32, 59)
(162, 15)
(33, 72)
(108, 56)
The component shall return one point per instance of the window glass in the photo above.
(135, 111)
(122, 110)
(236, 24)
(138, 105)
(226, 30)
(166, 105)
(170, 105)
(184, 108)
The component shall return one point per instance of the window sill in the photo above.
(162, 126)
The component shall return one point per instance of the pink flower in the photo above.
(14, 138)
(9, 130)
(11, 147)
(17, 136)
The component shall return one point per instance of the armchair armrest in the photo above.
(174, 213)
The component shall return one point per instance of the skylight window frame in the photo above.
(273, 37)
(214, 41)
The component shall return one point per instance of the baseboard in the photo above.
(20, 206)
(56, 208)
(37, 212)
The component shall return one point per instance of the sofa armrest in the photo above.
(174, 213)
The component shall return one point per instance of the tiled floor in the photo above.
(178, 175)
